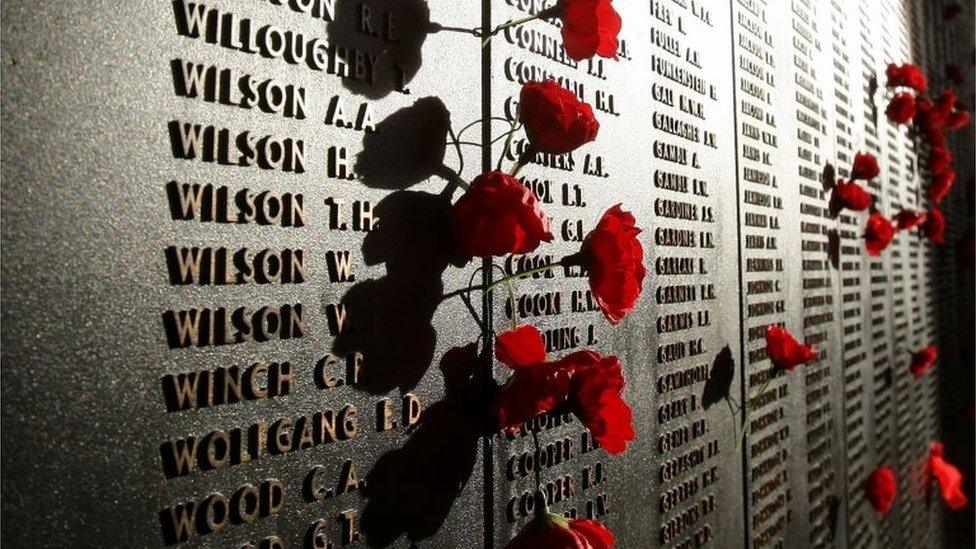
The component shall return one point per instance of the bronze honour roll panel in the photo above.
(225, 245)
(236, 313)
(665, 153)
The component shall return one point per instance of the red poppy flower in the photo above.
(934, 226)
(598, 535)
(536, 387)
(852, 196)
(942, 112)
(948, 477)
(590, 27)
(939, 159)
(954, 74)
(907, 219)
(498, 216)
(586, 382)
(923, 360)
(614, 260)
(549, 531)
(529, 393)
(934, 137)
(958, 120)
(945, 103)
(520, 348)
(878, 233)
(881, 489)
(929, 120)
(907, 75)
(865, 167)
(597, 383)
(901, 108)
(940, 185)
(784, 350)
(555, 120)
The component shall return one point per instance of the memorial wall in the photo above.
(237, 311)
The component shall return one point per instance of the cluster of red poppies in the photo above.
(584, 382)
(787, 353)
(930, 119)
(498, 215)
(882, 487)
(878, 231)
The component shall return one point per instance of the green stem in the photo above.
(457, 147)
(508, 143)
(452, 176)
(538, 450)
(745, 420)
(516, 168)
(504, 280)
(522, 274)
(507, 24)
(479, 121)
(512, 297)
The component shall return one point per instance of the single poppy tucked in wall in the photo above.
(923, 360)
(944, 105)
(941, 185)
(878, 233)
(550, 531)
(906, 75)
(865, 167)
(785, 351)
(555, 120)
(590, 27)
(958, 120)
(852, 196)
(595, 397)
(948, 477)
(934, 226)
(498, 215)
(901, 108)
(614, 262)
(940, 158)
(881, 489)
(929, 121)
(908, 219)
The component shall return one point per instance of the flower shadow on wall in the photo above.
(382, 41)
(411, 490)
(389, 319)
(718, 386)
(827, 177)
(407, 148)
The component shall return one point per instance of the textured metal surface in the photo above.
(786, 91)
(688, 482)
(88, 94)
